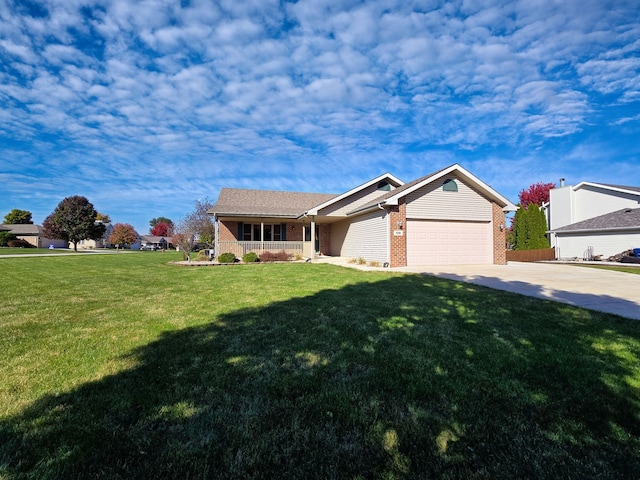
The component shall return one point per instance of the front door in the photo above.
(317, 243)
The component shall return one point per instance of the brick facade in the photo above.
(499, 235)
(228, 231)
(398, 244)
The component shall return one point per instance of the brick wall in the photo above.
(294, 232)
(398, 244)
(499, 236)
(228, 231)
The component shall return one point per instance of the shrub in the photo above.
(280, 256)
(374, 263)
(202, 256)
(19, 243)
(226, 258)
(361, 261)
(250, 257)
(5, 237)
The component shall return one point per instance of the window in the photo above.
(384, 186)
(271, 232)
(449, 185)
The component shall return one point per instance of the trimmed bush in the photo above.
(250, 257)
(280, 256)
(226, 258)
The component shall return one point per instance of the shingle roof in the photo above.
(627, 218)
(272, 203)
(21, 228)
(622, 187)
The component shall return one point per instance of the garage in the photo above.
(432, 242)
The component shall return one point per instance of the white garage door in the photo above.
(446, 243)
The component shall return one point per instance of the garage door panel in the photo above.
(446, 243)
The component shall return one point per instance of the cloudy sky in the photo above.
(145, 106)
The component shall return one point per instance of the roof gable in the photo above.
(393, 197)
(355, 191)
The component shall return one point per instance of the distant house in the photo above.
(102, 242)
(33, 234)
(157, 242)
(447, 217)
(594, 219)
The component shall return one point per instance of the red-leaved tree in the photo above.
(537, 193)
(123, 234)
(162, 229)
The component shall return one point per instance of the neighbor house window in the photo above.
(449, 186)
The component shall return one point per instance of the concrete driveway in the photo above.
(595, 289)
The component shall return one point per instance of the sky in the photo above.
(146, 106)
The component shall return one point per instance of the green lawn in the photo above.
(632, 268)
(122, 366)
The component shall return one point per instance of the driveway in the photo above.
(595, 289)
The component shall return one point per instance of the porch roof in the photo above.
(265, 203)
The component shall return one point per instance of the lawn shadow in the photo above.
(401, 377)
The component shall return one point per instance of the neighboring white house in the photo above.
(594, 219)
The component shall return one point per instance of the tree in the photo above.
(196, 227)
(161, 229)
(529, 229)
(185, 242)
(537, 193)
(73, 220)
(154, 221)
(101, 217)
(17, 216)
(203, 224)
(123, 234)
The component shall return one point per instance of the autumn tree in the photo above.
(154, 221)
(17, 216)
(537, 193)
(196, 227)
(123, 234)
(162, 229)
(203, 223)
(529, 227)
(104, 218)
(73, 220)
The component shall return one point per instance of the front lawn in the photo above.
(122, 366)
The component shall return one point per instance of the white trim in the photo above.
(387, 176)
(605, 187)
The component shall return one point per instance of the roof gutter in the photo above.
(370, 208)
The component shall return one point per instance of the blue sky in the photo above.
(144, 107)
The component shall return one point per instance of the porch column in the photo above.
(313, 237)
(262, 234)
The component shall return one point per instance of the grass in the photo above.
(631, 269)
(122, 366)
